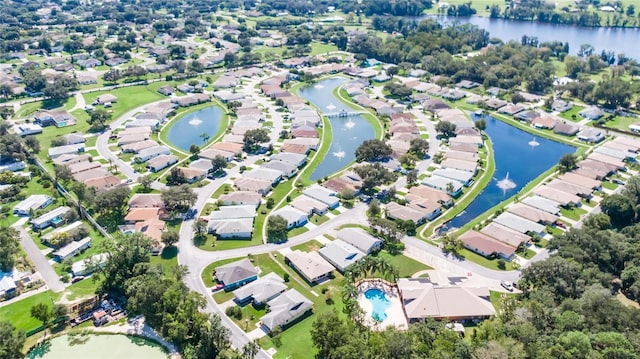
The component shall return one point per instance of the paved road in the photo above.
(42, 264)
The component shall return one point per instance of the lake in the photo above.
(520, 157)
(614, 39)
(98, 347)
(348, 132)
(188, 129)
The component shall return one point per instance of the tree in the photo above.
(33, 143)
(62, 173)
(60, 87)
(277, 230)
(112, 201)
(99, 119)
(194, 149)
(145, 182)
(419, 147)
(481, 124)
(11, 341)
(179, 198)
(567, 163)
(374, 208)
(43, 313)
(373, 174)
(373, 150)
(620, 209)
(175, 177)
(446, 128)
(9, 248)
(218, 163)
(199, 228)
(250, 350)
(169, 238)
(412, 177)
(253, 138)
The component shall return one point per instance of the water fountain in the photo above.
(506, 184)
(331, 107)
(339, 154)
(195, 122)
(349, 124)
(318, 86)
(534, 143)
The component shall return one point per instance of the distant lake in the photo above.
(520, 156)
(616, 39)
(186, 131)
(348, 132)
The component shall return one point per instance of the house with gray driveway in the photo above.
(261, 291)
(285, 310)
(236, 274)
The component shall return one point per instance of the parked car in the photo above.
(507, 285)
(77, 279)
(217, 287)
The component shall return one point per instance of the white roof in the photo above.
(289, 213)
(359, 238)
(72, 247)
(518, 223)
(233, 212)
(321, 194)
(311, 264)
(341, 254)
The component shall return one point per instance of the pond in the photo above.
(601, 38)
(189, 129)
(347, 132)
(520, 157)
(98, 347)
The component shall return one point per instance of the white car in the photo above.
(507, 285)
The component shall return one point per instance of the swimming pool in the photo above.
(380, 303)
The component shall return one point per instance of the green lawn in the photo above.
(128, 98)
(406, 266)
(207, 272)
(572, 114)
(309, 246)
(318, 220)
(622, 122)
(320, 48)
(213, 244)
(297, 231)
(250, 317)
(573, 213)
(609, 185)
(19, 313)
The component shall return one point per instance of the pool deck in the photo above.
(395, 312)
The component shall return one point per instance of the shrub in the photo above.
(286, 277)
(234, 312)
(502, 264)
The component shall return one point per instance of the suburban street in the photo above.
(43, 266)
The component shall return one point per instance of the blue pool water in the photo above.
(380, 303)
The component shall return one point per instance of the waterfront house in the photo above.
(519, 224)
(533, 214)
(152, 152)
(505, 234)
(452, 187)
(323, 195)
(486, 246)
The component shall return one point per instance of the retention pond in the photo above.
(190, 129)
(520, 157)
(348, 129)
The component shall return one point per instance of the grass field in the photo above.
(406, 266)
(572, 114)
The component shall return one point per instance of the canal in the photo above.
(347, 132)
(614, 39)
(189, 129)
(519, 157)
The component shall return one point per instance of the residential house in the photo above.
(265, 174)
(233, 212)
(544, 204)
(89, 265)
(287, 169)
(58, 118)
(486, 246)
(564, 198)
(294, 217)
(236, 274)
(397, 211)
(341, 254)
(309, 205)
(544, 122)
(25, 129)
(519, 224)
(32, 203)
(260, 291)
(285, 309)
(74, 138)
(421, 299)
(571, 188)
(192, 175)
(55, 152)
(136, 147)
(102, 183)
(146, 200)
(241, 198)
(505, 234)
(323, 195)
(161, 162)
(452, 187)
(53, 217)
(105, 99)
(360, 239)
(252, 184)
(464, 177)
(83, 166)
(592, 113)
(561, 105)
(533, 214)
(72, 249)
(231, 228)
(566, 129)
(311, 266)
(583, 181)
(150, 153)
(424, 192)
